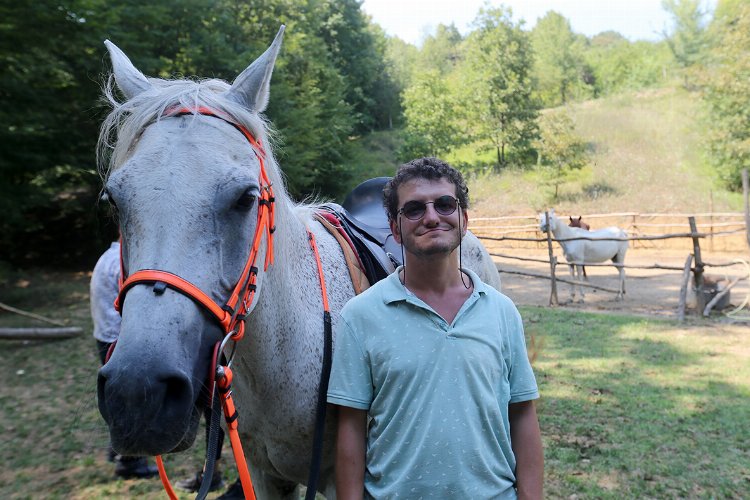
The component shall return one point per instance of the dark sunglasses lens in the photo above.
(414, 210)
(445, 205)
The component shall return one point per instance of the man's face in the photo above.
(433, 234)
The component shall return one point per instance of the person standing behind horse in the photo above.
(430, 374)
(103, 290)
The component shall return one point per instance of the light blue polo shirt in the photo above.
(437, 393)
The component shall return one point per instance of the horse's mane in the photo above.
(126, 122)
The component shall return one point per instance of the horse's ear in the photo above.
(128, 78)
(571, 218)
(251, 87)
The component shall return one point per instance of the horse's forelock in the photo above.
(127, 120)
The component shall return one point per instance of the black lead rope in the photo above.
(211, 446)
(320, 414)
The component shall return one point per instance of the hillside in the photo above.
(646, 157)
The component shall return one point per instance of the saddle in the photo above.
(364, 223)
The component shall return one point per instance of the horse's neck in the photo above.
(562, 231)
(291, 244)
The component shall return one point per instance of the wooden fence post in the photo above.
(711, 220)
(552, 264)
(745, 190)
(698, 276)
(684, 288)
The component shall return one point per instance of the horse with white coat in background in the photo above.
(597, 246)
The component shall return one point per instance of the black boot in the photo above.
(134, 468)
(194, 483)
(234, 492)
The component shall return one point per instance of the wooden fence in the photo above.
(723, 231)
(505, 233)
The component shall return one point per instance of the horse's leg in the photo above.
(621, 271)
(271, 487)
(573, 285)
(579, 280)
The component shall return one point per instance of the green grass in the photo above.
(633, 408)
(630, 407)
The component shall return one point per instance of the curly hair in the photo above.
(423, 168)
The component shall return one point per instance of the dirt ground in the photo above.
(651, 292)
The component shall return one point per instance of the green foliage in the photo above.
(618, 65)
(561, 151)
(430, 110)
(560, 71)
(497, 83)
(441, 51)
(331, 82)
(725, 81)
(48, 68)
(687, 40)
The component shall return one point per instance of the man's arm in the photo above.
(350, 453)
(526, 441)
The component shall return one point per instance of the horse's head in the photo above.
(544, 222)
(186, 183)
(578, 223)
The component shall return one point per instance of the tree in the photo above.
(498, 83)
(618, 64)
(441, 51)
(725, 83)
(560, 150)
(687, 40)
(430, 113)
(558, 61)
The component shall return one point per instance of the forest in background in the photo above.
(492, 99)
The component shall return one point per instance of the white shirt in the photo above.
(104, 288)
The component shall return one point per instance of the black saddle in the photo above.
(364, 219)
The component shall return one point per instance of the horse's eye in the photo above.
(107, 198)
(246, 201)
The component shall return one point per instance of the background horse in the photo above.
(600, 247)
(579, 223)
(186, 187)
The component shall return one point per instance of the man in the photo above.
(430, 372)
(104, 288)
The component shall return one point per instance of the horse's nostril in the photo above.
(177, 391)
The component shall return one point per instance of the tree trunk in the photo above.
(40, 333)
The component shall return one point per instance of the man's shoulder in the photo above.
(372, 297)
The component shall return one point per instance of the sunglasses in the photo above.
(415, 210)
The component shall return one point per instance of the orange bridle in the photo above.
(232, 314)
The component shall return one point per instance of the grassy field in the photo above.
(630, 408)
(646, 156)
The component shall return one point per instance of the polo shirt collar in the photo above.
(394, 291)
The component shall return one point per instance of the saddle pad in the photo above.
(353, 263)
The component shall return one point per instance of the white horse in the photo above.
(186, 187)
(600, 247)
